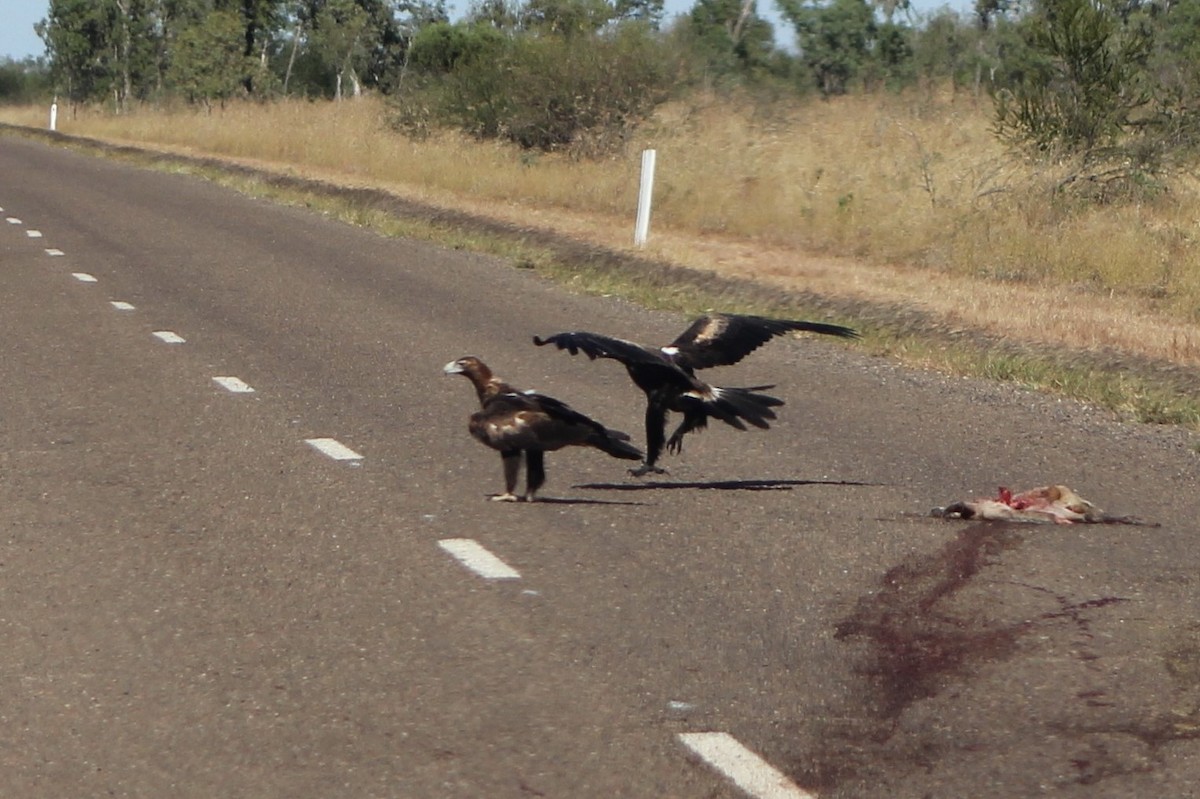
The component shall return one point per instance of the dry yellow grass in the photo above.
(894, 198)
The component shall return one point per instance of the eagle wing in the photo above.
(645, 365)
(528, 420)
(596, 346)
(724, 339)
(566, 426)
(561, 413)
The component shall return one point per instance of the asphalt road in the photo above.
(194, 602)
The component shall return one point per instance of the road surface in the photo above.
(196, 600)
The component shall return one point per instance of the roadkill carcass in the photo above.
(1051, 504)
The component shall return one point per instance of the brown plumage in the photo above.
(525, 423)
(667, 375)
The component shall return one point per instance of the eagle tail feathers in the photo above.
(744, 404)
(616, 443)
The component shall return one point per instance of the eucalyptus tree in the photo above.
(836, 39)
(135, 52)
(951, 46)
(388, 21)
(585, 17)
(77, 35)
(262, 23)
(99, 50)
(648, 11)
(568, 18)
(730, 35)
(343, 45)
(413, 17)
(338, 40)
(208, 61)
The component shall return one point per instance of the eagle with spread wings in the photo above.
(667, 375)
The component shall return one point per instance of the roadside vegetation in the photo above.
(1026, 171)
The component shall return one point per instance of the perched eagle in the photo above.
(516, 422)
(668, 375)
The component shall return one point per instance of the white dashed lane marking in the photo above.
(33, 234)
(167, 337)
(53, 252)
(332, 448)
(475, 557)
(233, 385)
(12, 220)
(742, 767)
(83, 277)
(120, 305)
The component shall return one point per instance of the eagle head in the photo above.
(466, 365)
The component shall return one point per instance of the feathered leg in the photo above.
(691, 421)
(535, 472)
(512, 467)
(656, 435)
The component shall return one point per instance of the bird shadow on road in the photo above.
(579, 501)
(721, 485)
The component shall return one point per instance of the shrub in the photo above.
(581, 94)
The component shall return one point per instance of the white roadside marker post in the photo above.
(646, 190)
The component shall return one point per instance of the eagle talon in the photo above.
(646, 468)
(506, 498)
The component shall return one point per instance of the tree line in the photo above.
(1114, 82)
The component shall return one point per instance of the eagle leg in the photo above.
(535, 472)
(512, 467)
(691, 422)
(656, 434)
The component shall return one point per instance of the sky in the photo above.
(17, 39)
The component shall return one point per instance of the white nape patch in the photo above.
(84, 277)
(12, 220)
(121, 305)
(167, 337)
(33, 234)
(745, 769)
(672, 351)
(53, 252)
(233, 385)
(332, 448)
(475, 557)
